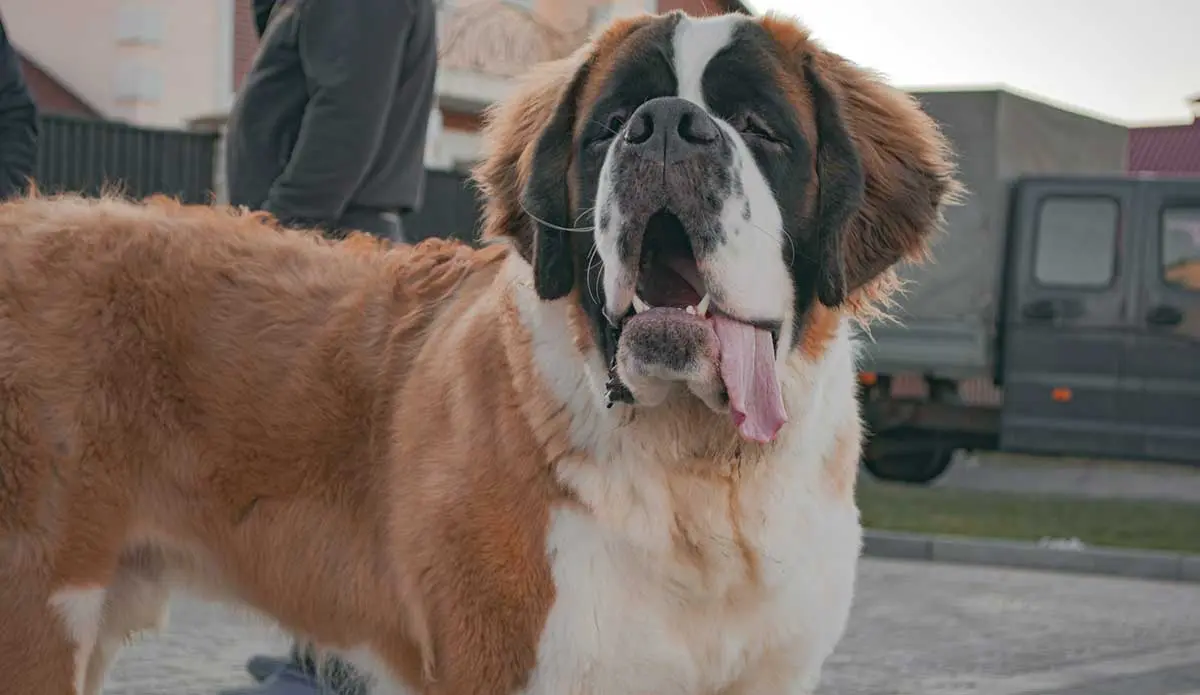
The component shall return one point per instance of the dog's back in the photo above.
(169, 376)
(130, 333)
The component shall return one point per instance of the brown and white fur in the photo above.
(406, 454)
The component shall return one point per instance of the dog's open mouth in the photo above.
(672, 303)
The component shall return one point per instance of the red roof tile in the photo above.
(1165, 149)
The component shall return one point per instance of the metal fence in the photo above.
(83, 155)
(451, 209)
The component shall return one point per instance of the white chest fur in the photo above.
(686, 585)
(673, 585)
(632, 616)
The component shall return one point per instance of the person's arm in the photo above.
(351, 51)
(18, 123)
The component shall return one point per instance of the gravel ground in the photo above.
(917, 629)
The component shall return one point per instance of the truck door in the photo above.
(1068, 320)
(1165, 358)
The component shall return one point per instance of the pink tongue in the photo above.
(748, 370)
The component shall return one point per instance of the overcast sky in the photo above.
(1102, 57)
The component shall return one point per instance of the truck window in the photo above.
(1180, 256)
(1076, 242)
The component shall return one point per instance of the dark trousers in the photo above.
(384, 224)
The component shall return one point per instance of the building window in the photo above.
(139, 23)
(139, 82)
(1180, 247)
(600, 15)
(1076, 242)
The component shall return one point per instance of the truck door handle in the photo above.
(1042, 309)
(1164, 315)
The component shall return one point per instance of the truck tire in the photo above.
(916, 458)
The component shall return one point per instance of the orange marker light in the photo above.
(867, 378)
(1061, 394)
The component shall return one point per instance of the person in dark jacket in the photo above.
(18, 123)
(329, 128)
(328, 132)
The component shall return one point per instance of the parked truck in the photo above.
(1060, 313)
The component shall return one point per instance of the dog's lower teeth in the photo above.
(639, 305)
(690, 310)
(702, 307)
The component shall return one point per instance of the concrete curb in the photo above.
(1141, 564)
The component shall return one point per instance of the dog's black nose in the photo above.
(671, 129)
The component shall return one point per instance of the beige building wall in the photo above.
(571, 15)
(148, 62)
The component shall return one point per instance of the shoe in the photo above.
(283, 682)
(261, 667)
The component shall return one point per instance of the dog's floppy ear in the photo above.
(530, 138)
(883, 167)
(840, 189)
(547, 199)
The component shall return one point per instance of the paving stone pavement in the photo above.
(203, 649)
(917, 629)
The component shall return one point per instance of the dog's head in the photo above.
(704, 188)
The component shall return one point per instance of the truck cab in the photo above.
(1095, 343)
(1099, 335)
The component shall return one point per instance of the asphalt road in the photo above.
(917, 629)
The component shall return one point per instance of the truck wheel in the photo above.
(916, 467)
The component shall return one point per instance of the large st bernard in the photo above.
(611, 452)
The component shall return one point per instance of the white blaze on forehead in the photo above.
(696, 41)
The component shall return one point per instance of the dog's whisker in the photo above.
(551, 225)
(593, 260)
(791, 242)
(605, 126)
